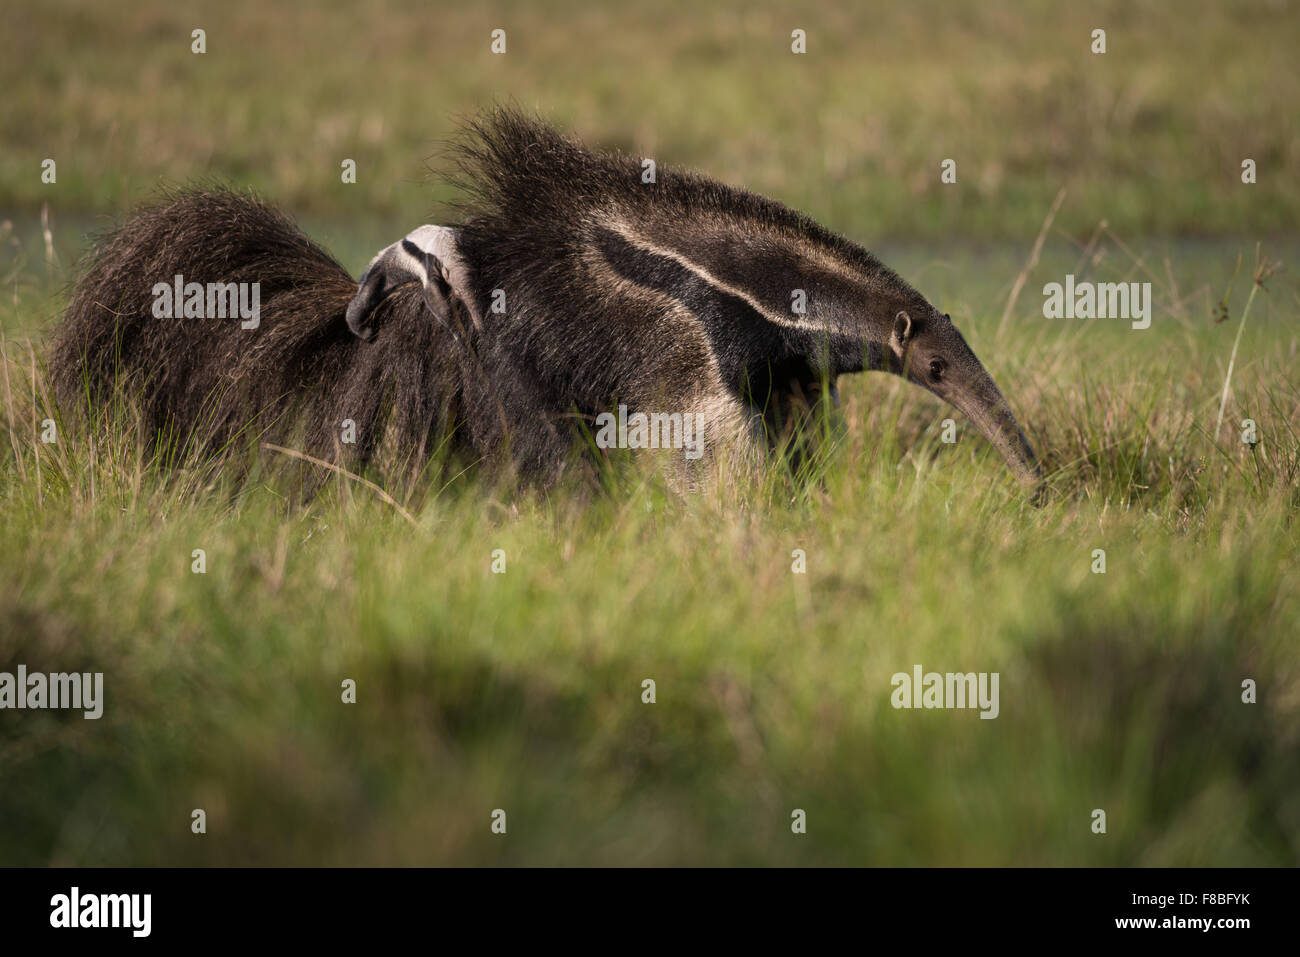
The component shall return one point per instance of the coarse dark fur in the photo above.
(673, 295)
(212, 381)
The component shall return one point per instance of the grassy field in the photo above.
(1150, 134)
(522, 691)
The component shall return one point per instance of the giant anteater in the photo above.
(570, 287)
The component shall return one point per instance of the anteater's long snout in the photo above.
(989, 412)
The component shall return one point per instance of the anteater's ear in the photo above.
(425, 256)
(902, 334)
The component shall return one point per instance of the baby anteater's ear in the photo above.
(428, 256)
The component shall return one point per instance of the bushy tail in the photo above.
(213, 379)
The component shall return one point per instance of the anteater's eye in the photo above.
(936, 369)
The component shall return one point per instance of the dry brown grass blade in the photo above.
(1263, 270)
(9, 406)
(293, 453)
(1033, 259)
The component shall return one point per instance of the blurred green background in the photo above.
(1149, 136)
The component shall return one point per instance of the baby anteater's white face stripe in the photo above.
(428, 255)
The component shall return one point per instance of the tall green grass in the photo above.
(523, 690)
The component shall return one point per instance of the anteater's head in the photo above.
(925, 348)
